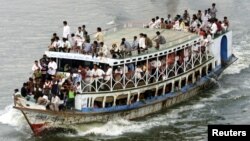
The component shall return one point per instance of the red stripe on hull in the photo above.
(37, 128)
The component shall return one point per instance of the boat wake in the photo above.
(12, 117)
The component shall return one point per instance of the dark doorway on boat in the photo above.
(197, 75)
(109, 101)
(160, 91)
(190, 79)
(203, 71)
(183, 82)
(168, 88)
(210, 67)
(176, 85)
(223, 50)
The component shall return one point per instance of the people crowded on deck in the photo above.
(48, 88)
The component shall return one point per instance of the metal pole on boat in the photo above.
(147, 71)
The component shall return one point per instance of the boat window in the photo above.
(67, 65)
(133, 98)
(121, 100)
(109, 101)
(168, 88)
(160, 91)
(148, 94)
(98, 102)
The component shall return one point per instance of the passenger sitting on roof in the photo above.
(73, 41)
(99, 35)
(52, 46)
(66, 45)
(151, 24)
(127, 46)
(148, 41)
(103, 50)
(79, 32)
(115, 51)
(79, 42)
(225, 24)
(159, 39)
(87, 47)
(162, 24)
(135, 43)
(86, 36)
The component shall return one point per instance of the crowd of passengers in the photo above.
(204, 24)
(46, 87)
(80, 42)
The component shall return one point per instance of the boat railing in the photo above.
(134, 79)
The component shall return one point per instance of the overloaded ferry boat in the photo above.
(122, 76)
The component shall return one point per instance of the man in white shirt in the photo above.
(98, 76)
(36, 66)
(79, 32)
(52, 67)
(108, 74)
(142, 43)
(118, 73)
(214, 27)
(157, 22)
(138, 72)
(103, 50)
(66, 30)
(66, 45)
(55, 102)
(88, 79)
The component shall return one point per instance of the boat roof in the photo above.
(174, 39)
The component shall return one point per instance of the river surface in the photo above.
(27, 25)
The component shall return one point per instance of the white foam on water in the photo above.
(121, 126)
(11, 116)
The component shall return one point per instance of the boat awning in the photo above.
(82, 57)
